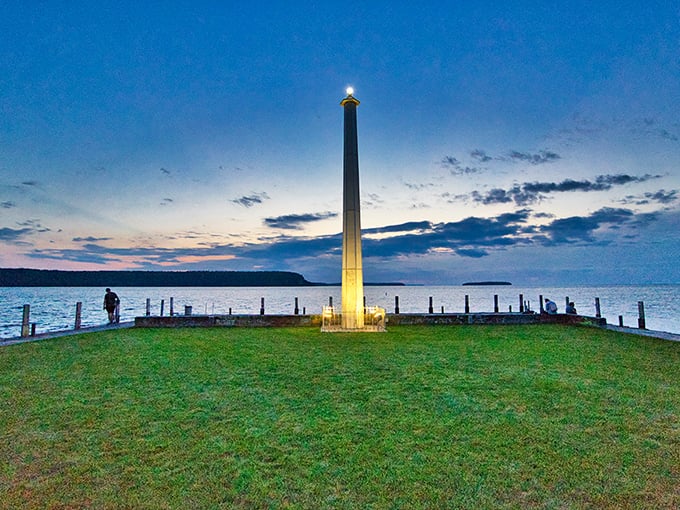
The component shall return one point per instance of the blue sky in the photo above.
(534, 142)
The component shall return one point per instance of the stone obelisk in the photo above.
(352, 269)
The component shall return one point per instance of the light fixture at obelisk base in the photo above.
(355, 315)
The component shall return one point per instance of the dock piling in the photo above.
(79, 311)
(25, 321)
(641, 315)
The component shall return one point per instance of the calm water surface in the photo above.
(53, 308)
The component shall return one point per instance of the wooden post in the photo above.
(296, 309)
(442, 309)
(597, 307)
(188, 309)
(162, 306)
(467, 303)
(230, 310)
(521, 303)
(495, 303)
(148, 306)
(330, 301)
(304, 310)
(79, 311)
(641, 315)
(621, 320)
(33, 329)
(510, 308)
(116, 314)
(540, 302)
(25, 328)
(261, 306)
(430, 309)
(396, 305)
(172, 306)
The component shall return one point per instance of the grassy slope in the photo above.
(516, 417)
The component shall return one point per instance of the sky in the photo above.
(533, 142)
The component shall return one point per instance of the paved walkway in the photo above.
(69, 332)
(663, 335)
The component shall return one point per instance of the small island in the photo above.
(487, 283)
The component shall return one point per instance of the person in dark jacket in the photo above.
(111, 301)
(550, 307)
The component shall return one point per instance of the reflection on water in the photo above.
(53, 308)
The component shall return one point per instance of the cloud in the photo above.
(411, 226)
(532, 192)
(649, 127)
(451, 198)
(371, 200)
(165, 171)
(34, 225)
(667, 135)
(456, 167)
(418, 187)
(90, 239)
(582, 228)
(10, 235)
(471, 237)
(535, 159)
(167, 201)
(473, 253)
(480, 155)
(662, 197)
(8, 205)
(449, 161)
(252, 199)
(295, 221)
(498, 196)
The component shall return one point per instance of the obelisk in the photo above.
(352, 269)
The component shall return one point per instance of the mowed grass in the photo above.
(418, 417)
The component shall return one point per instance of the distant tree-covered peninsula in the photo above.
(54, 278)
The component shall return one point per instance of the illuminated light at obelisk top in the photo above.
(355, 315)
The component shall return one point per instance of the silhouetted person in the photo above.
(571, 308)
(111, 301)
(550, 307)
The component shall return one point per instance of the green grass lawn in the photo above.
(418, 417)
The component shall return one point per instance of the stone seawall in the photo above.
(280, 321)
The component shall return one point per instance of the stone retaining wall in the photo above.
(279, 321)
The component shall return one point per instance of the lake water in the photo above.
(53, 308)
